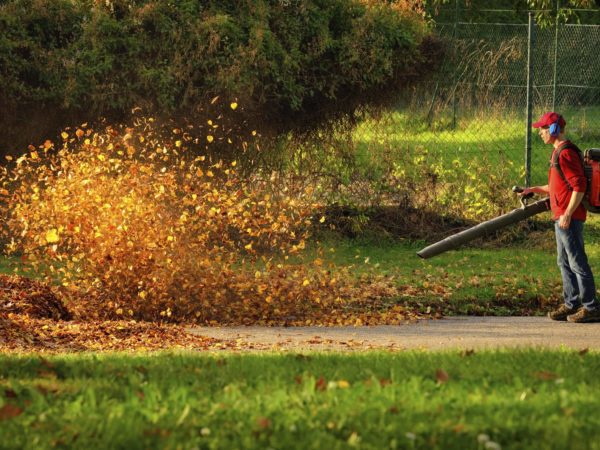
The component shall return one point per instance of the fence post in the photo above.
(530, 41)
(554, 80)
(456, 18)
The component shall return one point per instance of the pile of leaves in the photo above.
(133, 223)
(24, 333)
(33, 318)
(23, 296)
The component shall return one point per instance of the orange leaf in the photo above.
(442, 376)
(9, 411)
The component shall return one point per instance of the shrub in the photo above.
(293, 64)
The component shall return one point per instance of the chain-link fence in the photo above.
(477, 106)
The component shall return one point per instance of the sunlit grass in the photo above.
(496, 136)
(517, 278)
(516, 399)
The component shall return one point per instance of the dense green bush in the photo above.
(290, 63)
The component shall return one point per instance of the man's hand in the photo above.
(564, 221)
(526, 191)
(532, 190)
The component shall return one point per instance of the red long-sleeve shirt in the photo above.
(560, 192)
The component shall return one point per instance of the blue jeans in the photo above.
(578, 280)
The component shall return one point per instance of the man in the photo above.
(566, 188)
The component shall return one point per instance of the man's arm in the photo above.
(536, 190)
(565, 220)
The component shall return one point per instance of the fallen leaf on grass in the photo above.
(263, 423)
(442, 376)
(9, 411)
(545, 375)
(321, 384)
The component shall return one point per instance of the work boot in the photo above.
(585, 316)
(562, 312)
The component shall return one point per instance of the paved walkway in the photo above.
(453, 332)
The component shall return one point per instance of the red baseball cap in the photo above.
(549, 118)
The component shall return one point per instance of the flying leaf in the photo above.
(52, 236)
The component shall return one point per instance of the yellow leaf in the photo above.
(233, 105)
(64, 135)
(343, 384)
(322, 219)
(253, 132)
(305, 283)
(142, 294)
(249, 246)
(209, 138)
(52, 236)
(177, 143)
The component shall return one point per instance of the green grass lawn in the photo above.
(519, 278)
(5, 265)
(468, 281)
(496, 136)
(516, 399)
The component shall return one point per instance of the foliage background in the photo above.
(291, 64)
